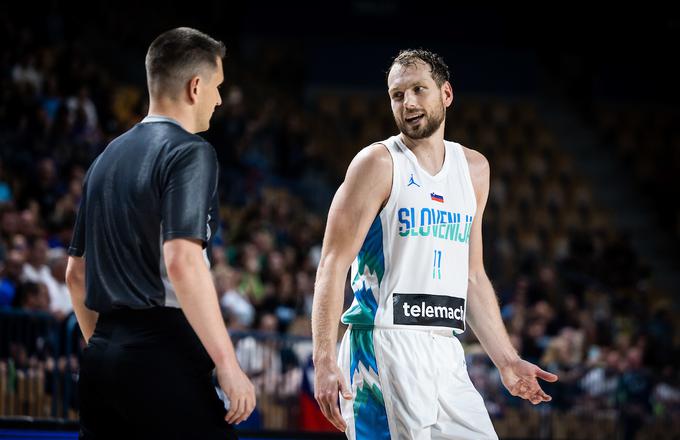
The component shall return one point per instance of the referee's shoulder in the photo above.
(180, 140)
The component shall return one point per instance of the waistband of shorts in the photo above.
(443, 332)
(164, 329)
(151, 313)
(153, 318)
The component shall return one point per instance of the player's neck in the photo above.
(429, 151)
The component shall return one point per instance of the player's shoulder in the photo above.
(477, 163)
(374, 157)
(371, 168)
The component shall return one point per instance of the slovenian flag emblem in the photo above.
(437, 197)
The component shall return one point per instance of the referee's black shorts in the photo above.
(145, 375)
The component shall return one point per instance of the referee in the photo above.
(138, 270)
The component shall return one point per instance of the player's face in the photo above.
(209, 97)
(418, 104)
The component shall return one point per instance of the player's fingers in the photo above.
(538, 397)
(326, 406)
(327, 409)
(338, 421)
(320, 401)
(344, 390)
(324, 410)
(522, 389)
(548, 377)
(533, 387)
(514, 388)
(544, 396)
(531, 390)
(329, 400)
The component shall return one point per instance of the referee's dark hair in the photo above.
(178, 55)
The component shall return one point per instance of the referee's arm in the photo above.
(75, 281)
(75, 270)
(190, 185)
(196, 294)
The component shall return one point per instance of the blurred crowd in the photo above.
(574, 295)
(647, 140)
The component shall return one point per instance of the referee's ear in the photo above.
(192, 89)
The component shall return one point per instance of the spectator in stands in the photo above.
(45, 187)
(5, 189)
(251, 281)
(35, 269)
(11, 278)
(82, 110)
(602, 381)
(60, 299)
(32, 297)
(259, 356)
(635, 388)
(305, 289)
(666, 393)
(232, 301)
(563, 356)
(25, 73)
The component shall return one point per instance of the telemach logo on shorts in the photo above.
(435, 310)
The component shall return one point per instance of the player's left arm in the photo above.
(483, 314)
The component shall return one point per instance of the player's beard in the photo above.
(428, 125)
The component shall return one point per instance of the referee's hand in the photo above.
(240, 391)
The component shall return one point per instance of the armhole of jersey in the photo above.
(466, 169)
(394, 190)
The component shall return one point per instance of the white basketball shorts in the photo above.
(409, 384)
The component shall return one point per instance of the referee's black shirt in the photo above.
(153, 183)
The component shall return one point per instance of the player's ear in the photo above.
(447, 93)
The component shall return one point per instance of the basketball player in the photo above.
(409, 216)
(138, 270)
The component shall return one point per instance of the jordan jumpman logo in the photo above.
(412, 181)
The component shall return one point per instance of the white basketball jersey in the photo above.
(412, 269)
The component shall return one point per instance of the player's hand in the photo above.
(520, 378)
(240, 391)
(328, 382)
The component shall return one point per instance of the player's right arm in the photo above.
(367, 186)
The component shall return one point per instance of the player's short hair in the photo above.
(178, 55)
(409, 57)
